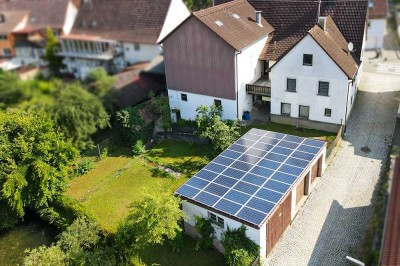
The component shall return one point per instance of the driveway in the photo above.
(333, 221)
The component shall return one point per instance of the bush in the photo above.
(135, 260)
(104, 153)
(206, 230)
(53, 256)
(138, 148)
(239, 249)
(84, 167)
(177, 242)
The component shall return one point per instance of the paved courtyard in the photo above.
(333, 221)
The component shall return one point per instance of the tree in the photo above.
(55, 61)
(210, 126)
(35, 162)
(43, 255)
(161, 107)
(102, 85)
(77, 113)
(151, 221)
(12, 90)
(195, 5)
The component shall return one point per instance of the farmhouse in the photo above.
(260, 182)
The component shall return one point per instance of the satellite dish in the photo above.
(350, 46)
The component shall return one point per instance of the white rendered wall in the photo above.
(307, 79)
(146, 52)
(257, 235)
(177, 13)
(376, 32)
(188, 108)
(249, 69)
(72, 12)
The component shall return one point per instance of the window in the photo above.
(3, 37)
(217, 103)
(307, 59)
(369, 24)
(7, 52)
(371, 4)
(216, 219)
(304, 111)
(328, 112)
(285, 108)
(184, 97)
(331, 3)
(136, 46)
(323, 88)
(291, 85)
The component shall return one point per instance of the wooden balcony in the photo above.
(260, 87)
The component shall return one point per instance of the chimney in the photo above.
(258, 17)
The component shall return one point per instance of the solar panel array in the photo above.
(253, 175)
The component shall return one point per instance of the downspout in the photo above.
(347, 103)
(237, 83)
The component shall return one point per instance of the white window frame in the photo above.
(302, 116)
(216, 219)
(290, 109)
(329, 85)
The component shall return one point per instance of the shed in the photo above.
(260, 182)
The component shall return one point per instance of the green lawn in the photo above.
(292, 130)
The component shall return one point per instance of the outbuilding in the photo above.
(260, 182)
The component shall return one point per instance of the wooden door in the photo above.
(278, 222)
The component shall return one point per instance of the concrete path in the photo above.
(333, 221)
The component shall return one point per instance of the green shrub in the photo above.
(239, 249)
(177, 242)
(138, 148)
(135, 260)
(84, 166)
(104, 153)
(46, 256)
(206, 230)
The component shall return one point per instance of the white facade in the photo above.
(259, 236)
(188, 108)
(249, 69)
(375, 34)
(70, 16)
(307, 79)
(134, 53)
(177, 13)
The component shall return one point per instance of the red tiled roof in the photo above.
(379, 10)
(334, 44)
(12, 19)
(137, 21)
(293, 19)
(237, 23)
(391, 239)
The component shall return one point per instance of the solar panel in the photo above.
(253, 175)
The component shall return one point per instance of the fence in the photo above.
(331, 151)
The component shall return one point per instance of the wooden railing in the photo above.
(258, 90)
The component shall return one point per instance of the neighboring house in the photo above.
(116, 34)
(377, 15)
(10, 21)
(29, 40)
(317, 33)
(260, 182)
(211, 56)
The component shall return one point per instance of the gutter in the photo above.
(347, 103)
(237, 83)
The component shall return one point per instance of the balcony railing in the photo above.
(260, 87)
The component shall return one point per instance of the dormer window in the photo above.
(307, 59)
(219, 23)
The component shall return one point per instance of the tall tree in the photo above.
(55, 61)
(102, 85)
(195, 5)
(35, 162)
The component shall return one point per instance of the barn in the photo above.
(260, 182)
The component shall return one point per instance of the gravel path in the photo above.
(333, 220)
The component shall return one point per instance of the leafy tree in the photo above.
(210, 126)
(12, 90)
(50, 256)
(102, 85)
(77, 113)
(151, 221)
(55, 62)
(35, 162)
(195, 5)
(205, 228)
(160, 106)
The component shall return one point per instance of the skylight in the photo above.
(236, 16)
(219, 23)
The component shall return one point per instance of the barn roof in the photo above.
(251, 178)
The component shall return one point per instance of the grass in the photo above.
(162, 255)
(292, 130)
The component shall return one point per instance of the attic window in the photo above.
(33, 19)
(236, 16)
(219, 23)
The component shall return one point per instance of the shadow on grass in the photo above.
(159, 173)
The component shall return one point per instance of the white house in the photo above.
(316, 81)
(259, 182)
(116, 34)
(211, 57)
(377, 16)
